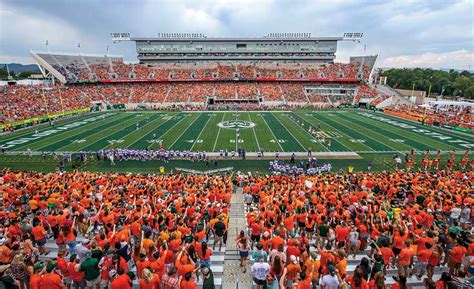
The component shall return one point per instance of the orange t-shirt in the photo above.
(38, 233)
(387, 253)
(405, 256)
(188, 284)
(457, 253)
(424, 255)
(51, 281)
(35, 281)
(122, 282)
(154, 283)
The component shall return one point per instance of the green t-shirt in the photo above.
(323, 230)
(91, 268)
(455, 229)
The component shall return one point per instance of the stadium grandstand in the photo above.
(284, 80)
(231, 163)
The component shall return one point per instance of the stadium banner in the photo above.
(463, 129)
(115, 106)
(20, 123)
(404, 115)
(345, 80)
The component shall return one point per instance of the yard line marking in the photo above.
(94, 134)
(311, 137)
(357, 125)
(274, 137)
(144, 135)
(218, 133)
(236, 140)
(195, 141)
(334, 130)
(184, 130)
(162, 137)
(253, 128)
(113, 132)
(289, 132)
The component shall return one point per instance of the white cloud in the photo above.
(15, 59)
(30, 31)
(461, 59)
(395, 30)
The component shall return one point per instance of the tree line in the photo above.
(22, 75)
(446, 83)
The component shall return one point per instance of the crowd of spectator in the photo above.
(187, 71)
(364, 230)
(110, 230)
(449, 115)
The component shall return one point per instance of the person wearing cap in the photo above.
(292, 271)
(51, 279)
(331, 279)
(63, 267)
(259, 252)
(35, 277)
(82, 249)
(208, 278)
(90, 266)
(219, 231)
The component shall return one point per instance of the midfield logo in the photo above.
(235, 124)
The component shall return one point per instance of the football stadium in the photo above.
(232, 162)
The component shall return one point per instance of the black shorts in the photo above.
(41, 242)
(301, 225)
(255, 238)
(260, 282)
(396, 251)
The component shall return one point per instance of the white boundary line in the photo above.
(97, 133)
(357, 125)
(255, 134)
(170, 127)
(311, 137)
(182, 132)
(218, 133)
(289, 132)
(342, 134)
(274, 137)
(123, 137)
(200, 133)
(157, 127)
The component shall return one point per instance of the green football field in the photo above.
(357, 131)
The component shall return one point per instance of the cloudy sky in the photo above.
(431, 33)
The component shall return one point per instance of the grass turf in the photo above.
(374, 136)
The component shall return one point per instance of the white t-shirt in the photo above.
(260, 270)
(455, 213)
(329, 282)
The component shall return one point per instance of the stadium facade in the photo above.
(278, 47)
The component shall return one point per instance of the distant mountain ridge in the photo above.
(19, 68)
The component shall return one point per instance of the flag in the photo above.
(308, 184)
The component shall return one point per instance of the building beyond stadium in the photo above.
(284, 47)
